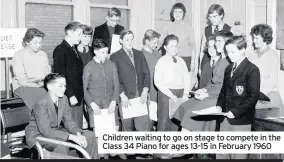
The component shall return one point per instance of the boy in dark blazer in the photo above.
(68, 62)
(239, 93)
(110, 27)
(134, 78)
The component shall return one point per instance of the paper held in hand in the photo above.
(115, 45)
(209, 111)
(173, 106)
(108, 121)
(135, 110)
(153, 110)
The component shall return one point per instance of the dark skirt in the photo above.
(164, 121)
(195, 122)
(29, 95)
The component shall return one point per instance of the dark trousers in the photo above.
(164, 121)
(140, 123)
(92, 146)
(77, 114)
(226, 126)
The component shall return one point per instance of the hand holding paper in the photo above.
(124, 100)
(214, 110)
(135, 109)
(108, 121)
(174, 105)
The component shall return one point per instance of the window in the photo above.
(111, 2)
(50, 19)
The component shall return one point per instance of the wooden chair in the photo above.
(45, 154)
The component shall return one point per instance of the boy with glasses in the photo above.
(110, 27)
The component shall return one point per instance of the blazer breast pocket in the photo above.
(239, 89)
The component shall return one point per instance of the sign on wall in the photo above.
(11, 41)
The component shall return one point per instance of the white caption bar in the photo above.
(191, 142)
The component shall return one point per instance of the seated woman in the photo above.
(262, 37)
(101, 84)
(49, 111)
(207, 96)
(30, 65)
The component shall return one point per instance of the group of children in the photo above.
(85, 74)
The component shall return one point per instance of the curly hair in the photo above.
(264, 30)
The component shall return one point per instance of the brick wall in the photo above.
(50, 19)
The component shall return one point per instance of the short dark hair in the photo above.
(264, 30)
(224, 34)
(216, 8)
(87, 30)
(73, 25)
(114, 12)
(99, 44)
(207, 44)
(239, 41)
(51, 77)
(177, 6)
(30, 34)
(150, 35)
(169, 38)
(125, 32)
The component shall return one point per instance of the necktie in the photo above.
(84, 49)
(216, 29)
(213, 63)
(174, 59)
(75, 51)
(234, 68)
(130, 54)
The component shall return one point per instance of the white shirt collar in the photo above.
(220, 27)
(239, 62)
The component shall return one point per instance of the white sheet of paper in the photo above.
(153, 107)
(115, 45)
(209, 111)
(136, 109)
(104, 122)
(174, 106)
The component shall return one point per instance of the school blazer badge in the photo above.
(240, 89)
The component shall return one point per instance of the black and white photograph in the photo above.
(142, 79)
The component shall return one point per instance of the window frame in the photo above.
(22, 8)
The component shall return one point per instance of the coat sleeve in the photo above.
(222, 96)
(122, 88)
(86, 79)
(146, 72)
(59, 58)
(115, 96)
(253, 89)
(68, 121)
(40, 110)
